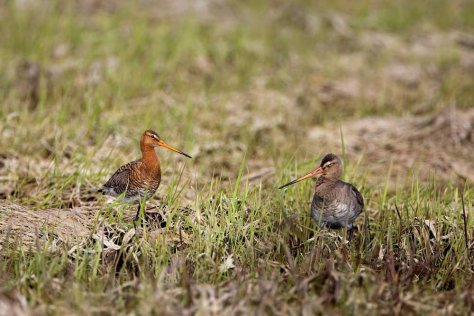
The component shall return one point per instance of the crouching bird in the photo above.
(336, 204)
(139, 179)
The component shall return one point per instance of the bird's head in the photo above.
(331, 166)
(152, 139)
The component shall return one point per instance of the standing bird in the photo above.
(141, 178)
(336, 204)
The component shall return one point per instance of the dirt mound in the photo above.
(54, 226)
(440, 144)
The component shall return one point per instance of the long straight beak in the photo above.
(163, 144)
(313, 173)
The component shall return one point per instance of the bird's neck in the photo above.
(325, 182)
(150, 158)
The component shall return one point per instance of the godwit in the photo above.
(139, 179)
(336, 204)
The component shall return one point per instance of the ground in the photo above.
(256, 92)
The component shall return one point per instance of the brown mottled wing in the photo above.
(119, 181)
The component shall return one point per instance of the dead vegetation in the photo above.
(439, 145)
(255, 92)
(50, 227)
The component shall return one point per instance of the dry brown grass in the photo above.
(30, 228)
(438, 145)
(256, 92)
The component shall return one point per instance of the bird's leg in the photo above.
(349, 236)
(352, 230)
(137, 216)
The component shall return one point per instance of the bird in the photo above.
(138, 180)
(336, 204)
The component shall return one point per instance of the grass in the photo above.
(237, 85)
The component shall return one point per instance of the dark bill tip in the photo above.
(286, 185)
(184, 154)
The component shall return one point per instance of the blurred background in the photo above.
(276, 82)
